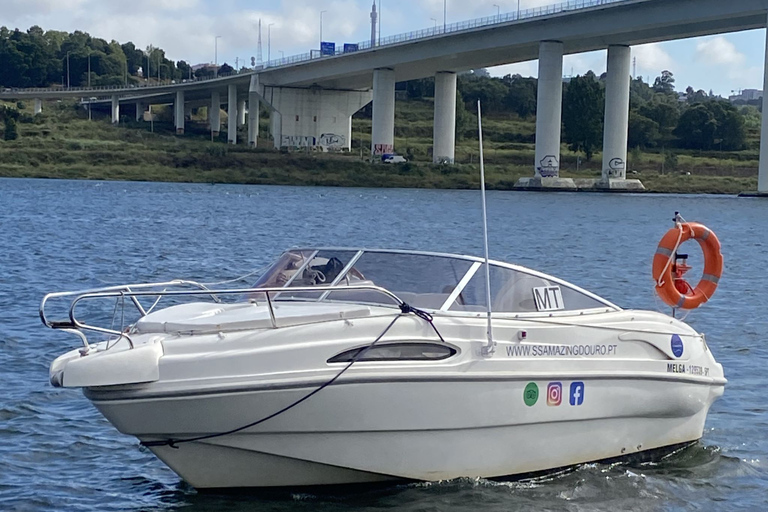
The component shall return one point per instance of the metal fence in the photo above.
(452, 28)
(436, 31)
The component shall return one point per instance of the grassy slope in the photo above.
(62, 143)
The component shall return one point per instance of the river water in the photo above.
(58, 453)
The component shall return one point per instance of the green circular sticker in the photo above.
(531, 394)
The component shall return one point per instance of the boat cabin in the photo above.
(424, 280)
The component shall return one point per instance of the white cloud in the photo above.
(652, 59)
(719, 50)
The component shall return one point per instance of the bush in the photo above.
(11, 131)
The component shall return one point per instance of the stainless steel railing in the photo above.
(133, 292)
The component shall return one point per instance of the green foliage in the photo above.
(583, 106)
(36, 58)
(11, 131)
(712, 124)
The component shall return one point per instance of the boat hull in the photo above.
(371, 431)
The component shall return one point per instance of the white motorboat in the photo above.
(348, 366)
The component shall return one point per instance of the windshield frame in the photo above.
(477, 264)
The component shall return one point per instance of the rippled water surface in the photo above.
(58, 453)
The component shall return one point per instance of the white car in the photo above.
(393, 159)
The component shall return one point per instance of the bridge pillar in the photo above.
(276, 127)
(549, 106)
(38, 106)
(253, 119)
(444, 143)
(762, 180)
(616, 128)
(241, 112)
(214, 114)
(140, 109)
(180, 111)
(383, 132)
(314, 117)
(254, 90)
(115, 109)
(549, 109)
(232, 114)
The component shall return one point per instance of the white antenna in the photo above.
(489, 349)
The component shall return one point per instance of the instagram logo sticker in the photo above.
(554, 393)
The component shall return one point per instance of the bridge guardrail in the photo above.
(526, 14)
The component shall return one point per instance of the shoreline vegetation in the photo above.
(686, 142)
(62, 143)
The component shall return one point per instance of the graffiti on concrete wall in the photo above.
(297, 141)
(332, 141)
(383, 149)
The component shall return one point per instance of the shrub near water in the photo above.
(62, 143)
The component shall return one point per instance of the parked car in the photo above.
(393, 159)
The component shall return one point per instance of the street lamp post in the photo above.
(445, 15)
(216, 56)
(435, 28)
(68, 84)
(498, 12)
(321, 29)
(269, 42)
(518, 9)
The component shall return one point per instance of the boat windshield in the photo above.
(429, 281)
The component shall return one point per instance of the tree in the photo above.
(463, 117)
(583, 106)
(697, 127)
(665, 83)
(11, 131)
(521, 96)
(226, 69)
(643, 132)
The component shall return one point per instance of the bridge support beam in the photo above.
(616, 128)
(314, 117)
(762, 180)
(140, 109)
(254, 91)
(38, 106)
(383, 131)
(232, 114)
(253, 119)
(444, 138)
(549, 109)
(115, 109)
(214, 114)
(180, 111)
(548, 122)
(241, 112)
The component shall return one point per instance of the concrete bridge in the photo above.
(312, 100)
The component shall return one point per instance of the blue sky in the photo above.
(186, 29)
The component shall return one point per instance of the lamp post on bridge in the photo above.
(68, 84)
(435, 28)
(269, 42)
(321, 29)
(498, 12)
(518, 9)
(216, 56)
(445, 16)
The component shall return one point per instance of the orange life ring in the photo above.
(664, 259)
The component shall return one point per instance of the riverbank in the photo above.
(62, 143)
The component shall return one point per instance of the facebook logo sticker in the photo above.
(577, 393)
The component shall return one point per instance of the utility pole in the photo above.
(216, 56)
(259, 56)
(321, 29)
(445, 15)
(68, 84)
(269, 42)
